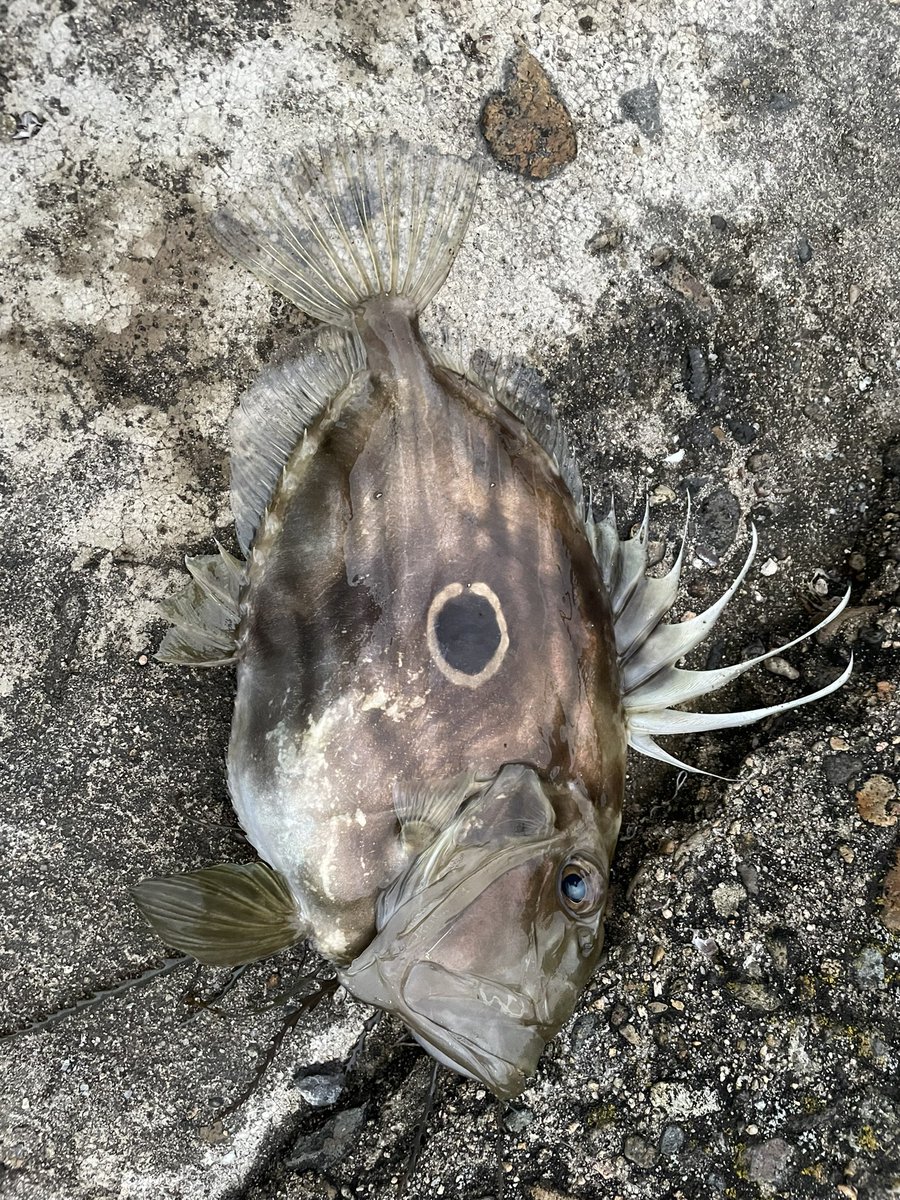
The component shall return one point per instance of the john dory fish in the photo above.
(441, 657)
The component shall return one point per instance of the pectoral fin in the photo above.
(426, 807)
(225, 915)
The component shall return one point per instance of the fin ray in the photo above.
(205, 616)
(519, 389)
(223, 916)
(276, 411)
(367, 220)
(648, 649)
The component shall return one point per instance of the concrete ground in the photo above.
(706, 274)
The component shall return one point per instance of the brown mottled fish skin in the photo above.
(425, 482)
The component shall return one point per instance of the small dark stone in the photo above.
(641, 105)
(719, 223)
(742, 431)
(586, 24)
(782, 102)
(723, 276)
(749, 878)
(607, 237)
(869, 969)
(469, 47)
(841, 769)
(698, 373)
(804, 250)
(671, 1140)
(328, 1144)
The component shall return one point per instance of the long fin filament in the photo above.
(648, 649)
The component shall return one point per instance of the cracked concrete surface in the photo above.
(710, 289)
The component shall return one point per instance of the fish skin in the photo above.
(420, 483)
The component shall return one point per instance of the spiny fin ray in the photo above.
(205, 615)
(648, 649)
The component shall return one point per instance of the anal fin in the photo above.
(225, 915)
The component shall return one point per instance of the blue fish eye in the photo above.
(581, 886)
(574, 887)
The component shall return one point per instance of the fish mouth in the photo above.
(476, 1026)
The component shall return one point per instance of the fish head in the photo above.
(485, 942)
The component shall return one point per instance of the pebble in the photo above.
(869, 968)
(755, 996)
(641, 106)
(639, 1151)
(769, 567)
(517, 1120)
(770, 1162)
(671, 1140)
(329, 1143)
(526, 126)
(321, 1090)
(727, 897)
(873, 798)
(749, 878)
(780, 666)
(841, 769)
(804, 250)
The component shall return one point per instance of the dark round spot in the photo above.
(467, 632)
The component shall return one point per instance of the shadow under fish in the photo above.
(441, 656)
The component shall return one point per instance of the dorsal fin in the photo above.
(522, 392)
(648, 648)
(275, 412)
(205, 616)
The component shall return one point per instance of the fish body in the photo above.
(441, 656)
(458, 619)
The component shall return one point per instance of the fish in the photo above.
(442, 655)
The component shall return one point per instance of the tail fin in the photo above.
(368, 220)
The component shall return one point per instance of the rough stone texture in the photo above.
(736, 336)
(526, 126)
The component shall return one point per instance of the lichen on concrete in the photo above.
(709, 287)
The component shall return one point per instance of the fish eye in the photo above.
(581, 886)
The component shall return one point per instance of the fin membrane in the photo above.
(365, 220)
(225, 915)
(521, 391)
(648, 649)
(275, 412)
(424, 809)
(205, 616)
